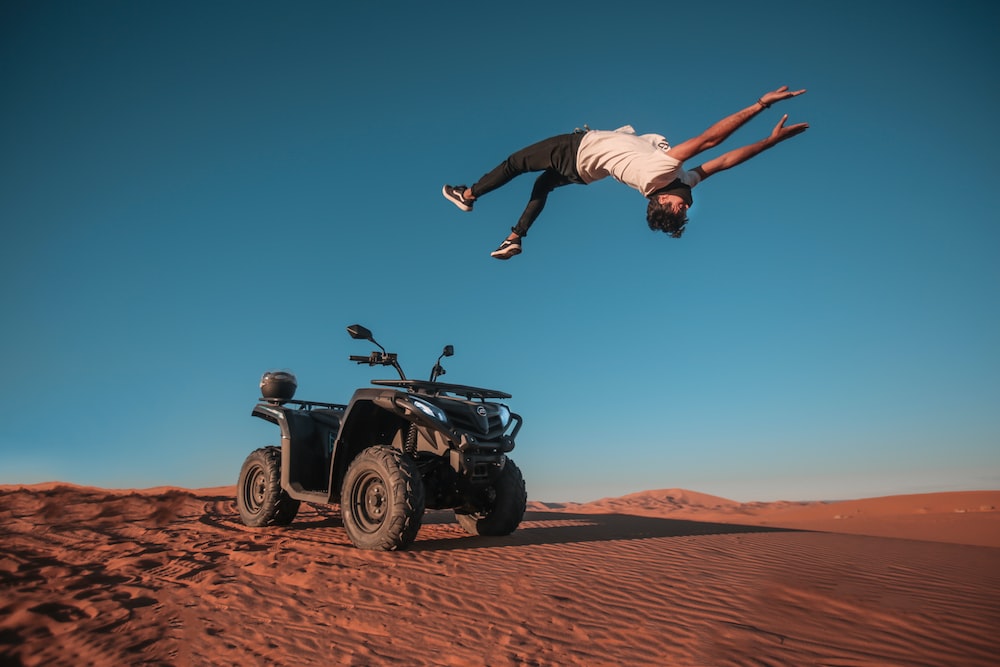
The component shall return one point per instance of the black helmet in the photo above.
(278, 386)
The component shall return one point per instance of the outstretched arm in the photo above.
(721, 130)
(740, 155)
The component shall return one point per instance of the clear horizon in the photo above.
(192, 194)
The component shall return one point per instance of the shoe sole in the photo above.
(456, 202)
(507, 253)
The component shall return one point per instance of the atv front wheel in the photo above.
(382, 500)
(504, 513)
(259, 496)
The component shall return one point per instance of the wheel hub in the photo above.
(371, 502)
(255, 490)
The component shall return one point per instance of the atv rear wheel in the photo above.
(259, 496)
(504, 513)
(382, 500)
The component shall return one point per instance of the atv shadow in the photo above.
(564, 528)
(328, 519)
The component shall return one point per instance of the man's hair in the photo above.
(664, 219)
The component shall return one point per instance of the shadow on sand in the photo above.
(537, 527)
(563, 528)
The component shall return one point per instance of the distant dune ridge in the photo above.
(170, 576)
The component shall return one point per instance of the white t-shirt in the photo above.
(638, 161)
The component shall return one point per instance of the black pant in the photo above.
(555, 157)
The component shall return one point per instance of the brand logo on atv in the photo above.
(481, 411)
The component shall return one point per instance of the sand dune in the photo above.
(962, 517)
(171, 577)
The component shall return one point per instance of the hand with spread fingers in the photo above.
(767, 99)
(780, 132)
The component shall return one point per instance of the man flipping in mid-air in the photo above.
(645, 162)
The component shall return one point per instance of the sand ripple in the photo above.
(109, 578)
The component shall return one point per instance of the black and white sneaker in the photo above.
(454, 194)
(507, 249)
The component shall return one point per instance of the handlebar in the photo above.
(376, 359)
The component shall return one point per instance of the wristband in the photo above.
(766, 106)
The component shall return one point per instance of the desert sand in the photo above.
(171, 577)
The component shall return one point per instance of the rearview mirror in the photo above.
(449, 350)
(359, 332)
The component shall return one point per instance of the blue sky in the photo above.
(195, 192)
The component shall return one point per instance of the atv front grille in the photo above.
(488, 426)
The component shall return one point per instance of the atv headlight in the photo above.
(504, 415)
(430, 410)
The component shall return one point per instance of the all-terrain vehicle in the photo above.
(395, 450)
